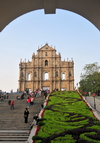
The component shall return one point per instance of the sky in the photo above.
(71, 34)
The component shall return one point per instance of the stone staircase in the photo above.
(13, 136)
(12, 126)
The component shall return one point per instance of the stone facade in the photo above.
(46, 71)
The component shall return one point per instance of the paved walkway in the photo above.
(91, 101)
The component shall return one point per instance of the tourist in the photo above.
(45, 94)
(32, 124)
(28, 102)
(42, 107)
(2, 98)
(12, 104)
(37, 94)
(22, 96)
(42, 93)
(4, 95)
(7, 95)
(27, 91)
(26, 114)
(9, 101)
(48, 91)
(32, 100)
(36, 118)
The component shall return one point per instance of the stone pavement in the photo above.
(91, 102)
(13, 120)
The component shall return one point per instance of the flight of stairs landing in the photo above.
(12, 126)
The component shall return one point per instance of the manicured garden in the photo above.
(67, 119)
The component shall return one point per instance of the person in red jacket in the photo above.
(28, 102)
(12, 104)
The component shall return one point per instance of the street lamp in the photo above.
(94, 94)
(85, 89)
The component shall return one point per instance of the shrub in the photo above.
(84, 136)
(42, 119)
(68, 114)
(47, 107)
(36, 137)
(40, 123)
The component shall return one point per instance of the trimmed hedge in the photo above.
(68, 119)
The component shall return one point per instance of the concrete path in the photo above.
(93, 101)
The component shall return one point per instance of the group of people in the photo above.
(37, 92)
(35, 119)
(30, 101)
(32, 96)
(21, 97)
(3, 96)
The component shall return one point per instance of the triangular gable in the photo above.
(46, 47)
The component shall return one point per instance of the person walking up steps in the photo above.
(9, 101)
(12, 104)
(26, 114)
(28, 102)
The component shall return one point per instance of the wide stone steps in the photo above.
(14, 141)
(12, 126)
(13, 135)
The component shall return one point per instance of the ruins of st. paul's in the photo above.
(46, 71)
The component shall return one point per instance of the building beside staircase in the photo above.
(46, 71)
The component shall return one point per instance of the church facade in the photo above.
(46, 71)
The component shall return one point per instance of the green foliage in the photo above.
(67, 112)
(46, 107)
(96, 122)
(43, 132)
(49, 100)
(50, 95)
(42, 119)
(39, 141)
(85, 137)
(64, 139)
(94, 127)
(90, 80)
(41, 123)
(91, 68)
(36, 137)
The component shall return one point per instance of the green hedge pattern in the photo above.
(68, 120)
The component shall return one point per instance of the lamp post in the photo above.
(94, 94)
(85, 89)
(77, 86)
(94, 100)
